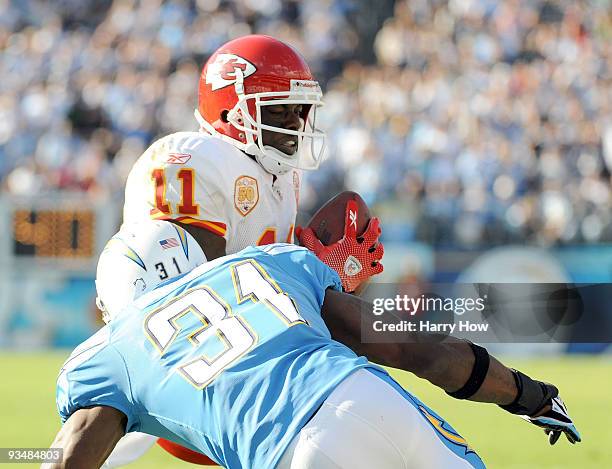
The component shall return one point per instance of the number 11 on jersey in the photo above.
(186, 205)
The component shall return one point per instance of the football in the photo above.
(328, 222)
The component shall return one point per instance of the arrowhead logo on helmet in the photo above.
(222, 72)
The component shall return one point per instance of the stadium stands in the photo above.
(468, 122)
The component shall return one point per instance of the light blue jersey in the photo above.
(231, 359)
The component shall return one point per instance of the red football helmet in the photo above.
(246, 74)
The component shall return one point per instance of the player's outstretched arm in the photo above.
(447, 365)
(88, 437)
(463, 369)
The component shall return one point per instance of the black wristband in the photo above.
(532, 395)
(478, 375)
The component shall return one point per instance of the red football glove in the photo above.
(354, 258)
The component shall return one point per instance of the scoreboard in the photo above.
(60, 234)
(62, 231)
(49, 248)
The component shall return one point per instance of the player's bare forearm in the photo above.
(88, 437)
(447, 364)
(213, 245)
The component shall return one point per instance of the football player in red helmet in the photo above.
(236, 182)
(257, 93)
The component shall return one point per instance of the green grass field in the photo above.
(29, 419)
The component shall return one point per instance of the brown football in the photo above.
(328, 222)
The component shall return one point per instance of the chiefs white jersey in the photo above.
(200, 180)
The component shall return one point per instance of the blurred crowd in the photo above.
(464, 122)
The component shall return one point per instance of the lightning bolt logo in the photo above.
(450, 435)
(119, 245)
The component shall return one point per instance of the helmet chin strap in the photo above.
(271, 165)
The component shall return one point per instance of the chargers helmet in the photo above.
(139, 258)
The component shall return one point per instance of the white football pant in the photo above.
(129, 448)
(368, 422)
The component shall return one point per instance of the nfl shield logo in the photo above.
(352, 266)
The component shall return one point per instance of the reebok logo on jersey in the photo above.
(178, 158)
(222, 72)
(352, 266)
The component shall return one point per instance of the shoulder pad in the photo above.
(197, 149)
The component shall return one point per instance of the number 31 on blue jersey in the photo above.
(251, 283)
